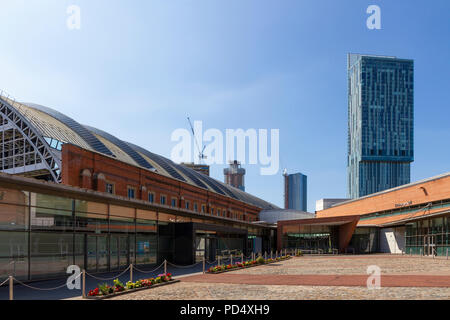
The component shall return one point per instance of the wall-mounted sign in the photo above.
(399, 205)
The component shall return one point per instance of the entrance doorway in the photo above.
(120, 248)
(429, 245)
(97, 253)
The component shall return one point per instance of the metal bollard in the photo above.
(131, 272)
(203, 264)
(11, 288)
(83, 293)
(242, 257)
(218, 260)
(231, 259)
(265, 255)
(270, 254)
(165, 266)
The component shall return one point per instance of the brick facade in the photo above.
(86, 169)
(410, 195)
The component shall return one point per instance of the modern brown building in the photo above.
(410, 219)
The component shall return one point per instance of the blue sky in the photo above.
(137, 68)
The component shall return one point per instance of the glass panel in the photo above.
(123, 251)
(13, 254)
(13, 217)
(146, 215)
(114, 246)
(14, 196)
(91, 253)
(122, 211)
(118, 224)
(51, 254)
(91, 222)
(51, 219)
(49, 201)
(144, 226)
(91, 207)
(79, 250)
(102, 252)
(146, 248)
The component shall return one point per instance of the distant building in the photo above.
(380, 123)
(323, 204)
(295, 191)
(275, 215)
(202, 168)
(234, 175)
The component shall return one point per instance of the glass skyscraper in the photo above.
(380, 123)
(295, 192)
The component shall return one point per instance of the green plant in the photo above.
(104, 289)
(260, 260)
(118, 285)
(130, 285)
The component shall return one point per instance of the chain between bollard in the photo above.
(149, 271)
(42, 289)
(112, 278)
(183, 267)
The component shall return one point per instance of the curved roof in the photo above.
(55, 125)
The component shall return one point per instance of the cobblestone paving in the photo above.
(389, 264)
(205, 291)
(337, 265)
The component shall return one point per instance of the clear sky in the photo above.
(138, 68)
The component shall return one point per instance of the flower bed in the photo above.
(105, 291)
(247, 264)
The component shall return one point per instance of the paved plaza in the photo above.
(315, 278)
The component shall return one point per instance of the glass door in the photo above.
(119, 251)
(97, 253)
(123, 252)
(91, 253)
(429, 245)
(102, 253)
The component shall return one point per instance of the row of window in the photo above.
(131, 193)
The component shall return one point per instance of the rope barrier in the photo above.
(150, 271)
(4, 282)
(44, 289)
(212, 262)
(112, 278)
(184, 267)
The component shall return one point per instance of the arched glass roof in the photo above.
(54, 125)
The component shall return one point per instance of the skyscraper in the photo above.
(295, 191)
(380, 123)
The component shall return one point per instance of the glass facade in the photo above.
(380, 123)
(310, 237)
(428, 236)
(41, 235)
(365, 240)
(297, 192)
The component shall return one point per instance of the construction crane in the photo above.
(201, 155)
